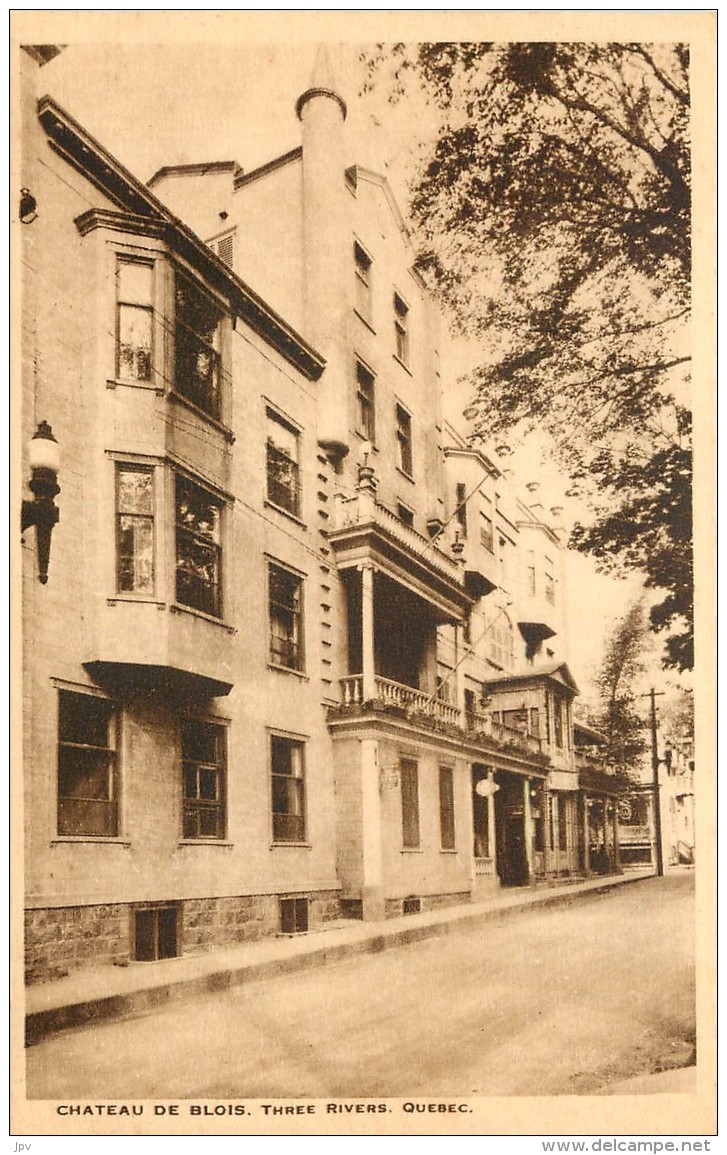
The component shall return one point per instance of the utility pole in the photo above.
(655, 760)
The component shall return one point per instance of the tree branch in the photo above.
(678, 93)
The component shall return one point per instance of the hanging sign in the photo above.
(485, 788)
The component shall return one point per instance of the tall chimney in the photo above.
(327, 246)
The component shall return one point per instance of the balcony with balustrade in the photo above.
(366, 532)
(432, 711)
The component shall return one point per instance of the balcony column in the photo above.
(586, 837)
(528, 830)
(372, 889)
(491, 832)
(459, 668)
(367, 632)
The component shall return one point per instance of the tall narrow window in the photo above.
(283, 467)
(285, 595)
(487, 538)
(366, 413)
(288, 789)
(549, 589)
(502, 643)
(135, 321)
(531, 583)
(197, 368)
(362, 266)
(446, 807)
(409, 774)
(460, 507)
(203, 772)
(199, 549)
(403, 436)
(563, 814)
(87, 791)
(401, 328)
(134, 530)
(558, 720)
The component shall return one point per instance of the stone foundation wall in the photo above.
(62, 939)
(59, 940)
(394, 906)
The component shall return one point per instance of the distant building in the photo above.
(302, 652)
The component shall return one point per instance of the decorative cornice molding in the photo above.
(120, 222)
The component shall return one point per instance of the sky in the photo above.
(158, 104)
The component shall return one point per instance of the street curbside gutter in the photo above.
(84, 1012)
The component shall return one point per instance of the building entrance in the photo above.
(512, 858)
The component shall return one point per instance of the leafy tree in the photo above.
(552, 216)
(616, 715)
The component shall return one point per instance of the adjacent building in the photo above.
(301, 654)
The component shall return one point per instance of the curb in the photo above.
(39, 1024)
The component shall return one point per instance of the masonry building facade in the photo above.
(301, 655)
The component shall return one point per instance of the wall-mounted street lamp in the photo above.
(42, 511)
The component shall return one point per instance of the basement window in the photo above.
(156, 933)
(411, 905)
(293, 915)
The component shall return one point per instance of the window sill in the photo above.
(452, 850)
(148, 386)
(290, 845)
(176, 608)
(213, 421)
(403, 364)
(285, 512)
(411, 850)
(287, 670)
(206, 842)
(63, 839)
(366, 322)
(403, 473)
(138, 600)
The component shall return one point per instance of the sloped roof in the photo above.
(555, 671)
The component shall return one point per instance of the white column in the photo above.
(528, 828)
(491, 831)
(372, 892)
(586, 837)
(367, 632)
(459, 670)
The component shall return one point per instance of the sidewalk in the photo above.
(109, 992)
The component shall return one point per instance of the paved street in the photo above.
(561, 1001)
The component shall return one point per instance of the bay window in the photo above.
(197, 335)
(198, 548)
(135, 529)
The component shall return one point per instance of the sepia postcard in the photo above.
(364, 752)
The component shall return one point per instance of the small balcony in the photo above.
(413, 703)
(481, 722)
(365, 531)
(406, 698)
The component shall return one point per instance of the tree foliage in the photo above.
(616, 715)
(552, 216)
